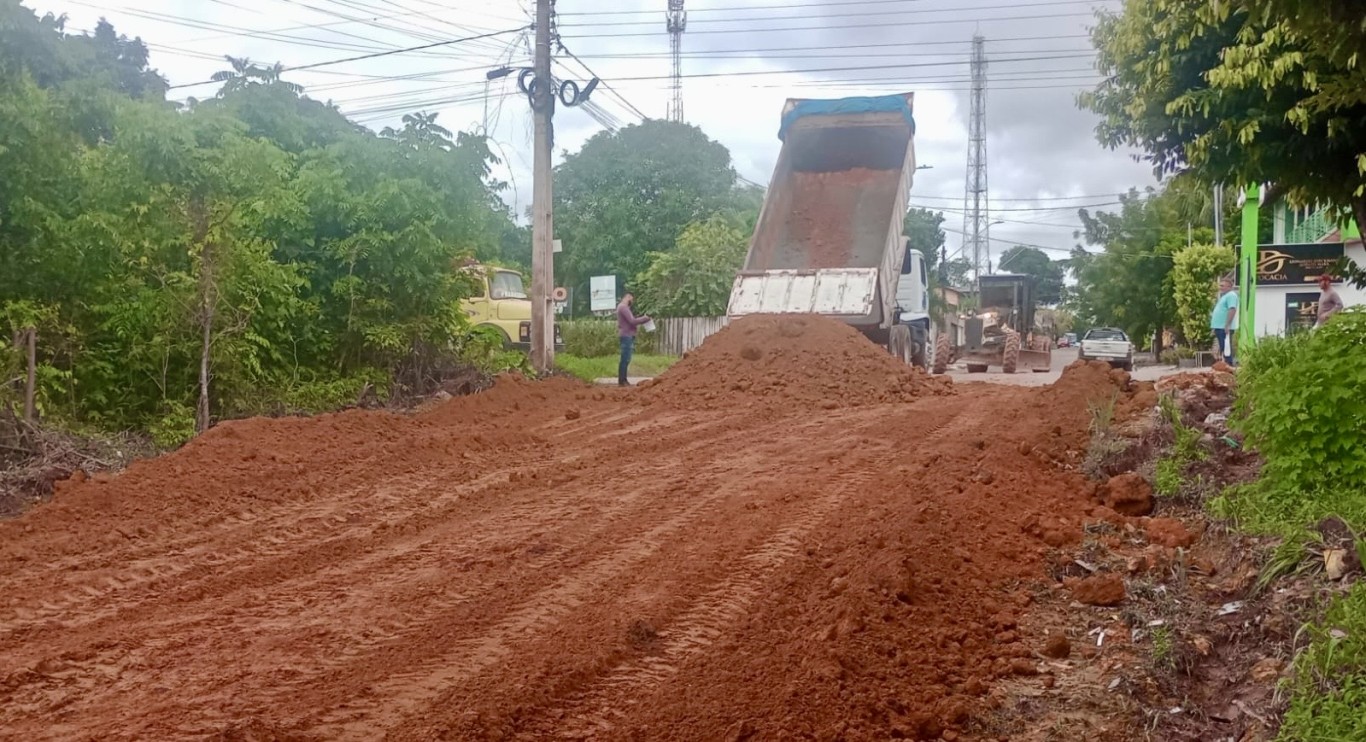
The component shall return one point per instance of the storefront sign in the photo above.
(1279, 265)
(1301, 312)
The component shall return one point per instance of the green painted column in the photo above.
(1247, 273)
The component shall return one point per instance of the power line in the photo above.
(846, 69)
(1030, 200)
(404, 50)
(603, 83)
(761, 29)
(898, 44)
(821, 17)
(784, 6)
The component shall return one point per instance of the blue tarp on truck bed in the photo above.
(865, 104)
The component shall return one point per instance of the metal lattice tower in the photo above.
(677, 24)
(976, 214)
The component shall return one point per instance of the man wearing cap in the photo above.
(1329, 301)
(626, 332)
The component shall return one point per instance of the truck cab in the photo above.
(500, 301)
(913, 304)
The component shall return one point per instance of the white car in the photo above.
(1108, 344)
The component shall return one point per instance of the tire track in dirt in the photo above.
(517, 523)
(595, 711)
(199, 566)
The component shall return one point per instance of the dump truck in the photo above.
(1000, 331)
(829, 236)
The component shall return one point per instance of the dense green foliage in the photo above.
(1195, 276)
(1126, 284)
(630, 193)
(1031, 261)
(251, 253)
(1300, 403)
(594, 338)
(1246, 91)
(695, 278)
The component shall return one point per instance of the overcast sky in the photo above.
(742, 59)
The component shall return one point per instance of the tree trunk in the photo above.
(31, 380)
(207, 303)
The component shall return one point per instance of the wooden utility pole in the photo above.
(542, 256)
(31, 377)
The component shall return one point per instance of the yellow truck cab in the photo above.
(500, 301)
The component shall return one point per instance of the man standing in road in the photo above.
(626, 332)
(1329, 301)
(1224, 319)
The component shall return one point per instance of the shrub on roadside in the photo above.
(596, 338)
(1302, 405)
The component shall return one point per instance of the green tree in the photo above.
(1195, 275)
(1031, 261)
(1238, 96)
(695, 278)
(630, 193)
(1126, 283)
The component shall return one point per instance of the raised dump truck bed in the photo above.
(828, 240)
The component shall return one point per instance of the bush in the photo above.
(595, 338)
(1301, 403)
(1195, 271)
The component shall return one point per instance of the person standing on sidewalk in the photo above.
(1329, 301)
(627, 323)
(1224, 319)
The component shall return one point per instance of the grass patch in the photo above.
(605, 367)
(1329, 689)
(1170, 474)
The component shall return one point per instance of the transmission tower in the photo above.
(976, 216)
(677, 23)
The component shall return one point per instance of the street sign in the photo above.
(602, 296)
(556, 246)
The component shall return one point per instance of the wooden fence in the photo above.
(678, 335)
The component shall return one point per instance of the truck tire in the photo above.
(899, 343)
(1010, 356)
(941, 353)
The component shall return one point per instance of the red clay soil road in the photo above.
(546, 561)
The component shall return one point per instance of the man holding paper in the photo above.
(1224, 319)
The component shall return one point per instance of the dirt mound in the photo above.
(259, 461)
(805, 360)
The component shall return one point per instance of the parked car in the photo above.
(1108, 344)
(1067, 340)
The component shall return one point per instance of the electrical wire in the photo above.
(998, 19)
(823, 17)
(784, 6)
(358, 58)
(861, 68)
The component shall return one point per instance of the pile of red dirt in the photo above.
(798, 360)
(825, 208)
(261, 460)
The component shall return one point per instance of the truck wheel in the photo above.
(899, 343)
(1010, 356)
(941, 353)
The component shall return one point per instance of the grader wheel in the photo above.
(941, 353)
(1010, 356)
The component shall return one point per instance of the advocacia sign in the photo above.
(1292, 264)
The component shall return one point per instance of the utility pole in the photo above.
(976, 209)
(542, 226)
(676, 23)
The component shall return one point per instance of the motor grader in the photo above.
(1000, 332)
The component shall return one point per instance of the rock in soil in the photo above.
(1100, 590)
(1168, 532)
(1058, 647)
(1128, 494)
